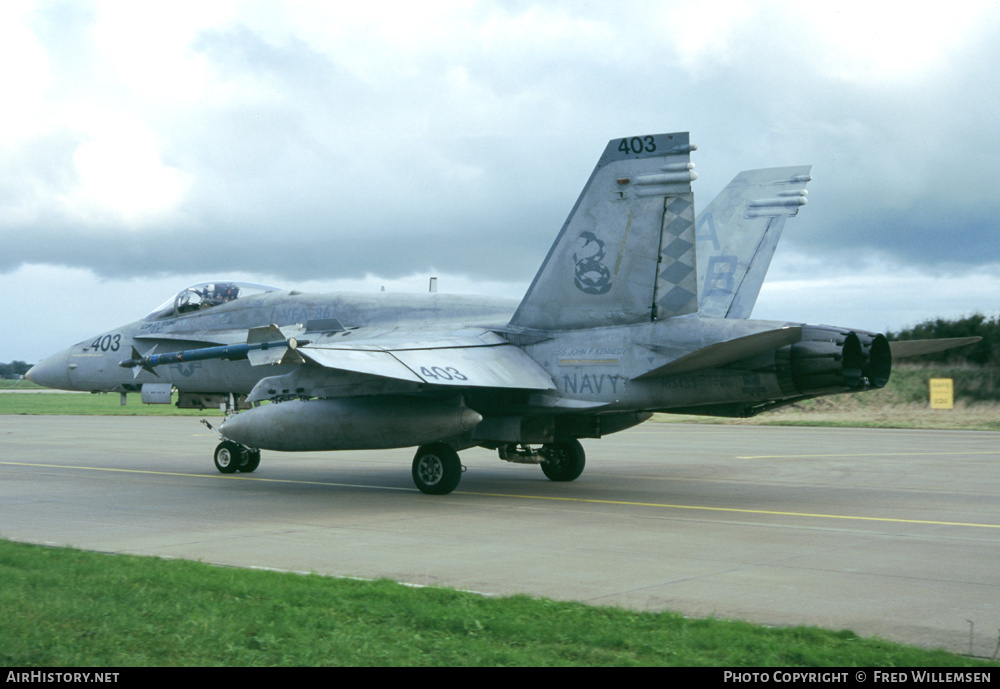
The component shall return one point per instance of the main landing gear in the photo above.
(231, 457)
(559, 461)
(437, 469)
(563, 461)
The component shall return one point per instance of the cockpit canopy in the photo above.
(205, 295)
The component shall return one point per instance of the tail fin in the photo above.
(626, 254)
(737, 234)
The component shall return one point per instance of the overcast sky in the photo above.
(346, 146)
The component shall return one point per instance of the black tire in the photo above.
(436, 469)
(228, 457)
(251, 462)
(564, 461)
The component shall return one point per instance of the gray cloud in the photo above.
(343, 147)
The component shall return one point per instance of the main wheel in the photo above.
(436, 469)
(228, 457)
(564, 461)
(251, 460)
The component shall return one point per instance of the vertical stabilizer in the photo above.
(626, 254)
(737, 234)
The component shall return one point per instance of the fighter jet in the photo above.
(636, 309)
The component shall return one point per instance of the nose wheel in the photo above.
(252, 461)
(231, 457)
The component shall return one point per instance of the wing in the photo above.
(355, 361)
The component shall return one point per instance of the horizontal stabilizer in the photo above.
(722, 353)
(904, 348)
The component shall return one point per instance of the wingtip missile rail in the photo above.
(232, 352)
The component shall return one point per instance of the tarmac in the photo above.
(889, 533)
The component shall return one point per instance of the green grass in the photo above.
(20, 384)
(65, 607)
(82, 404)
(908, 383)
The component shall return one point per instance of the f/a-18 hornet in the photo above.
(636, 309)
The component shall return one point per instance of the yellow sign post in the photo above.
(942, 393)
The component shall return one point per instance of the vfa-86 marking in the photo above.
(636, 309)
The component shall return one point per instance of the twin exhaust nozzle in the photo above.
(828, 360)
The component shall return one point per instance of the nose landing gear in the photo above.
(231, 457)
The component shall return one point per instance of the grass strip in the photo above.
(18, 384)
(83, 404)
(65, 607)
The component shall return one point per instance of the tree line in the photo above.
(14, 369)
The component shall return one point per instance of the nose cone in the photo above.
(52, 372)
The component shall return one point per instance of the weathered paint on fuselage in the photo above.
(601, 365)
(596, 367)
(93, 364)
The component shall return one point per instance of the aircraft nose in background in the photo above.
(51, 372)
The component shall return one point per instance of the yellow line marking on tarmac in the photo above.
(236, 477)
(592, 501)
(736, 510)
